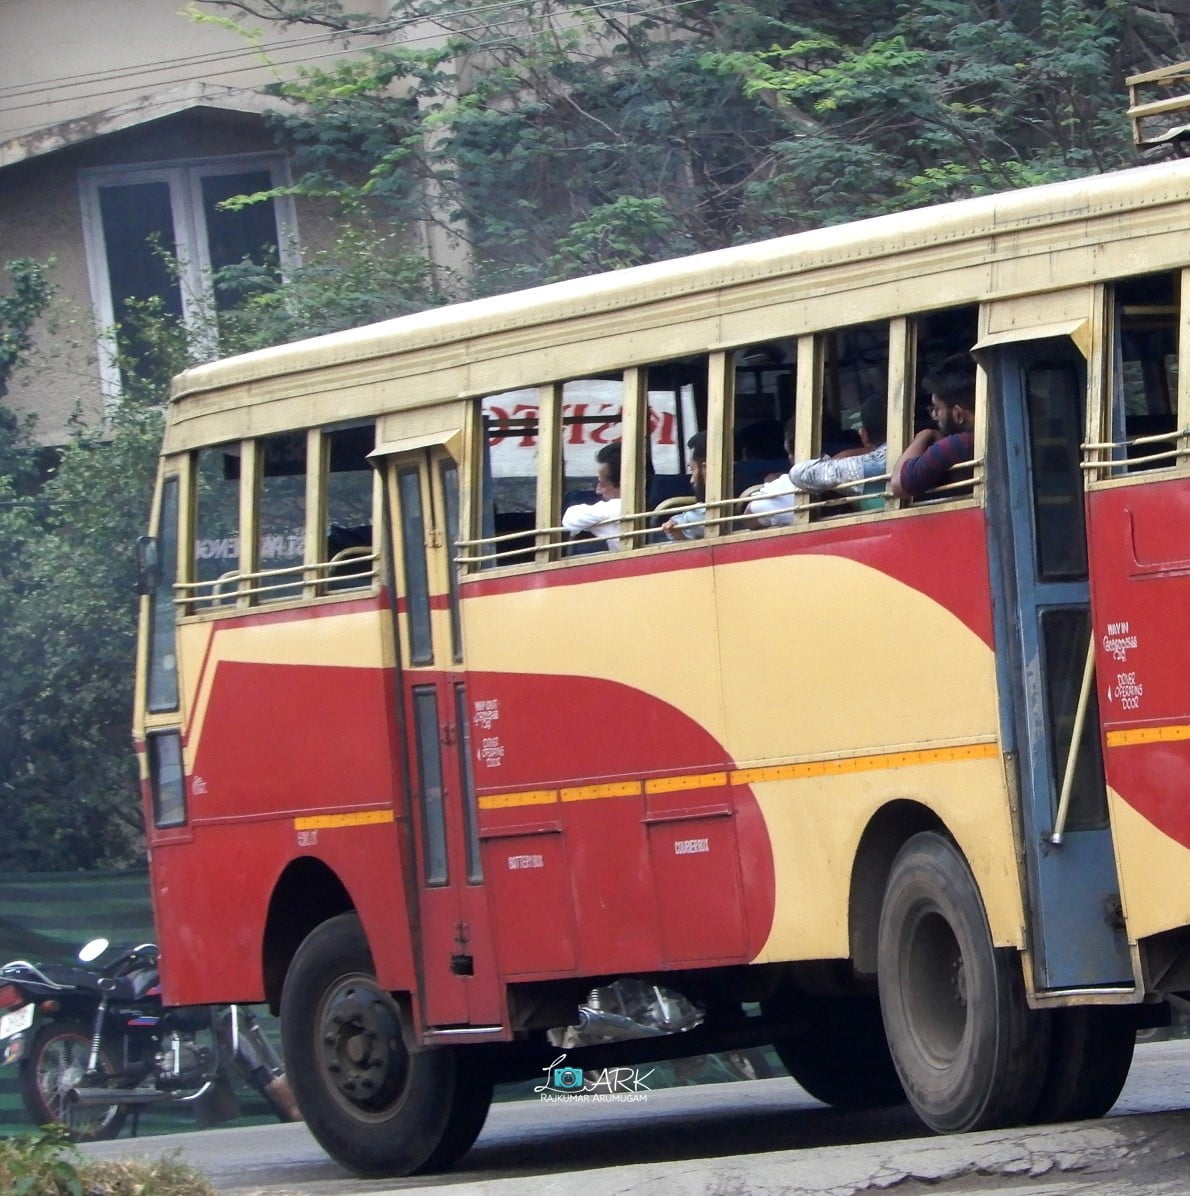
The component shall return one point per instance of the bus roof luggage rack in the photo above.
(1159, 108)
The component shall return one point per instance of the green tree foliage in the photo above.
(28, 294)
(558, 138)
(68, 796)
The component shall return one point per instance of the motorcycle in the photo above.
(95, 1045)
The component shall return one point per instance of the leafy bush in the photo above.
(48, 1164)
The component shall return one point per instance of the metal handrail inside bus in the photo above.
(305, 580)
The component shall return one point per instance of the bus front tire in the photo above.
(963, 1039)
(374, 1106)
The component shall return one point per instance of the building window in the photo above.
(158, 233)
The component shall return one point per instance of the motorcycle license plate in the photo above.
(16, 1021)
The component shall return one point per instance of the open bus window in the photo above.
(281, 517)
(764, 381)
(509, 512)
(592, 410)
(939, 335)
(217, 525)
(1144, 420)
(852, 422)
(350, 551)
(677, 410)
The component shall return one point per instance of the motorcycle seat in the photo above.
(63, 976)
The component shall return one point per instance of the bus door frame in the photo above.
(452, 934)
(1072, 903)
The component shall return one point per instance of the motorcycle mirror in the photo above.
(93, 950)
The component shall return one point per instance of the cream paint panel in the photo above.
(665, 624)
(1008, 315)
(824, 656)
(359, 640)
(814, 826)
(1154, 872)
(821, 654)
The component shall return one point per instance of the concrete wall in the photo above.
(65, 59)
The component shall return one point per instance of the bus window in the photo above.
(349, 544)
(281, 516)
(677, 394)
(938, 335)
(764, 377)
(509, 487)
(216, 526)
(854, 367)
(162, 646)
(837, 469)
(1145, 406)
(591, 423)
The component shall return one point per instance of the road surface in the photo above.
(762, 1136)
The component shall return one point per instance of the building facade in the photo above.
(123, 125)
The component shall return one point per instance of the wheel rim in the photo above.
(61, 1067)
(936, 993)
(359, 1048)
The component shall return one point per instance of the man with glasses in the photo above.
(932, 454)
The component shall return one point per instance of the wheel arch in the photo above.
(889, 828)
(307, 893)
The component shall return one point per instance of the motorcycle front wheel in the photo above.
(55, 1063)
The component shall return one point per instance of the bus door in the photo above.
(1038, 547)
(452, 939)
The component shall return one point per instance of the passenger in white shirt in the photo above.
(600, 519)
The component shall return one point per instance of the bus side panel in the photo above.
(287, 755)
(721, 698)
(1140, 577)
(625, 856)
(217, 887)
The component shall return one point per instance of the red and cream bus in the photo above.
(899, 787)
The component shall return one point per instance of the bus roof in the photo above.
(1015, 242)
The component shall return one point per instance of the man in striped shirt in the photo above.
(932, 454)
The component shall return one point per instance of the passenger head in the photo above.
(697, 466)
(873, 421)
(607, 483)
(951, 387)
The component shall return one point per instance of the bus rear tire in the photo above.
(1089, 1060)
(966, 1045)
(374, 1106)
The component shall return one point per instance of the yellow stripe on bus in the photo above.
(322, 822)
(533, 797)
(705, 780)
(1135, 735)
(745, 776)
(873, 763)
(609, 789)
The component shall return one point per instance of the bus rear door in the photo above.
(453, 944)
(1039, 560)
